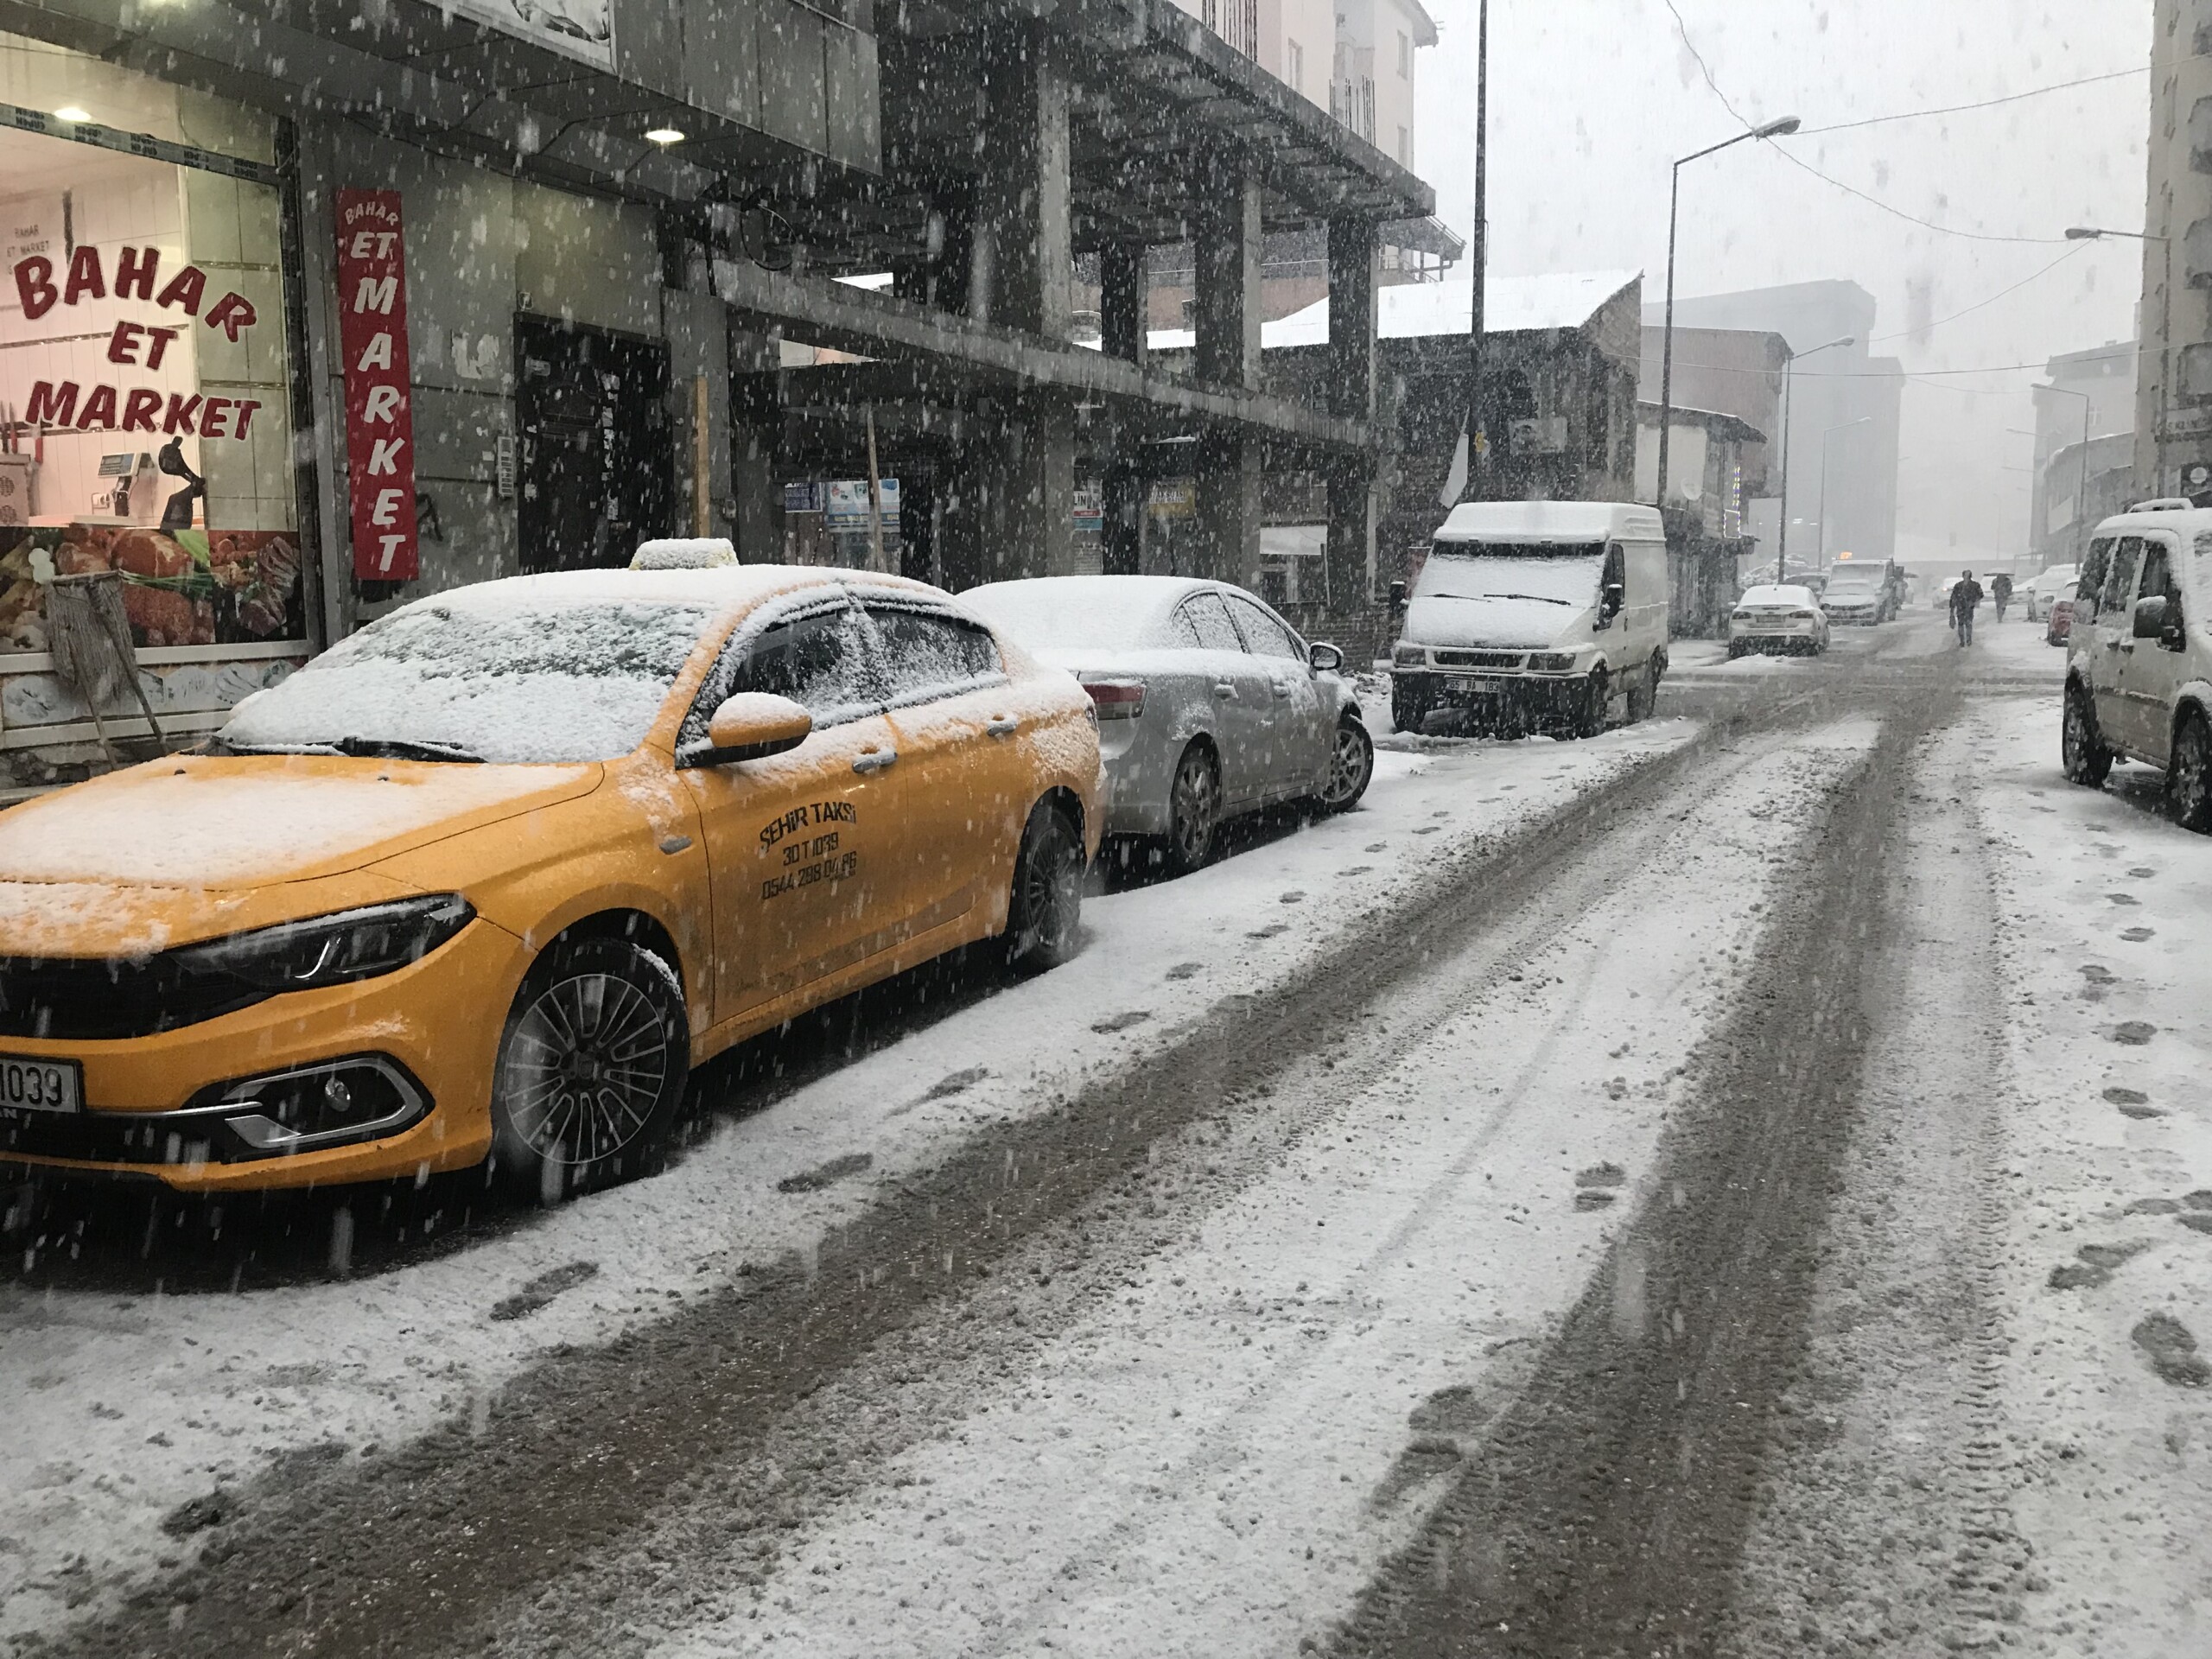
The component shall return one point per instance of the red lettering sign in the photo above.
(379, 418)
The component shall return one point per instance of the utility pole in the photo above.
(1466, 463)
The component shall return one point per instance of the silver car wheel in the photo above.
(1351, 764)
(1194, 805)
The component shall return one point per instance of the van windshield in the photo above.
(1549, 574)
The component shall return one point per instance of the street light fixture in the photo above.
(1864, 420)
(1789, 373)
(2095, 234)
(1781, 129)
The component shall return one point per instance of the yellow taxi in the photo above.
(489, 878)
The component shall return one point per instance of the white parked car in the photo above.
(2047, 590)
(1209, 704)
(2139, 672)
(1778, 617)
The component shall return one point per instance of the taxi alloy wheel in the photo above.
(1194, 810)
(1046, 916)
(1351, 766)
(595, 1060)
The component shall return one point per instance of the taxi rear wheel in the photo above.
(1046, 916)
(591, 1068)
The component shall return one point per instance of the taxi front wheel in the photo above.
(1047, 912)
(593, 1063)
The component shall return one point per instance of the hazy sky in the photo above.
(1591, 99)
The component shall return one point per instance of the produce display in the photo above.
(180, 588)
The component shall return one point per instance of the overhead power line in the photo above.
(1983, 103)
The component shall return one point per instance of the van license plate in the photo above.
(28, 1086)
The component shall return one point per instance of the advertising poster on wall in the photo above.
(578, 28)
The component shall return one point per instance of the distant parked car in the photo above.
(2058, 622)
(2053, 585)
(1209, 704)
(1778, 617)
(1865, 591)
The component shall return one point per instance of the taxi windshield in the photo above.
(540, 680)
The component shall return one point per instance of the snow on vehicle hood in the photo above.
(1507, 603)
(236, 823)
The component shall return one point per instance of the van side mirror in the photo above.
(751, 726)
(1609, 603)
(1397, 596)
(2151, 618)
(1324, 658)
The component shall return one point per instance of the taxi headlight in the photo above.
(353, 944)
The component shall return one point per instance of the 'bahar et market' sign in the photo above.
(379, 413)
(118, 408)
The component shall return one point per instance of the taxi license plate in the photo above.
(28, 1086)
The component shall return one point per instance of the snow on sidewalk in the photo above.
(1217, 1461)
(124, 1407)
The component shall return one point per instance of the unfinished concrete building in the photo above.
(656, 260)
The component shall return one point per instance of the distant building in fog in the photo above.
(2178, 214)
(1834, 392)
(2090, 396)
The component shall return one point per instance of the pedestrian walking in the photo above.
(1966, 599)
(2000, 593)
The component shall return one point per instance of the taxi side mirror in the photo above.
(751, 726)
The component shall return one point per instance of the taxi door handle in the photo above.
(1004, 726)
(876, 760)
(1224, 690)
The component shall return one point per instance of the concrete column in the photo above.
(1125, 519)
(1347, 557)
(1355, 253)
(1227, 538)
(757, 526)
(1022, 251)
(1010, 511)
(1228, 249)
(1123, 283)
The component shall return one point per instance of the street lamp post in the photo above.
(1789, 372)
(1781, 129)
(1864, 420)
(2095, 234)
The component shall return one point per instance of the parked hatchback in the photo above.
(2141, 655)
(1209, 704)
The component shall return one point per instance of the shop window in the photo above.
(143, 401)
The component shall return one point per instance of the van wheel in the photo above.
(1045, 914)
(2191, 776)
(1408, 708)
(591, 1068)
(1643, 692)
(2081, 746)
(1194, 809)
(1596, 703)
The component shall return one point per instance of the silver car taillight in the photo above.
(1116, 699)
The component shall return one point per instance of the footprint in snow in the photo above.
(1427, 830)
(2098, 972)
(2134, 1033)
(2198, 1223)
(1121, 1022)
(2171, 1349)
(2152, 1207)
(1604, 1174)
(1359, 869)
(1186, 971)
(1294, 896)
(958, 1083)
(541, 1291)
(2142, 874)
(1273, 930)
(2137, 935)
(1379, 847)
(2123, 899)
(828, 1174)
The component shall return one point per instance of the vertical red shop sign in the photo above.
(380, 409)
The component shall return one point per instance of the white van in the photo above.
(1536, 616)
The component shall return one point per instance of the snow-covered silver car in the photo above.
(1209, 704)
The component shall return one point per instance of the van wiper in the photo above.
(1477, 599)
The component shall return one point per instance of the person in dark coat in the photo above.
(2000, 593)
(1966, 600)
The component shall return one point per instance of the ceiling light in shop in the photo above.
(665, 136)
(72, 113)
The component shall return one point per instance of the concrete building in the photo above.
(1847, 407)
(1716, 462)
(437, 291)
(2089, 400)
(2173, 405)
